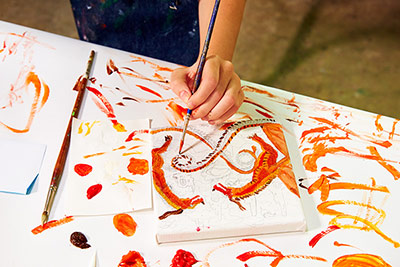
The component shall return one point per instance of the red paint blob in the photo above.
(93, 190)
(183, 258)
(83, 169)
(132, 259)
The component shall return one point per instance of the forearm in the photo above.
(226, 28)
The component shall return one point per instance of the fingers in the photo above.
(181, 80)
(219, 95)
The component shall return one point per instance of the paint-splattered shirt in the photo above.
(162, 29)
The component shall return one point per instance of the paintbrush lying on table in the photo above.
(62, 156)
(200, 68)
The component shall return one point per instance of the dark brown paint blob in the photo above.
(79, 240)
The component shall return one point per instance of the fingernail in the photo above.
(211, 122)
(184, 96)
(190, 105)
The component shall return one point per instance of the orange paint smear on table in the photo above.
(318, 237)
(83, 169)
(333, 125)
(144, 88)
(178, 112)
(106, 108)
(381, 161)
(377, 124)
(325, 187)
(138, 166)
(132, 259)
(41, 96)
(393, 132)
(125, 224)
(361, 260)
(154, 65)
(324, 208)
(273, 253)
(51, 224)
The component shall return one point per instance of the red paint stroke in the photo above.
(270, 253)
(138, 166)
(134, 133)
(250, 101)
(51, 224)
(132, 259)
(318, 237)
(183, 258)
(264, 113)
(125, 224)
(83, 169)
(362, 260)
(149, 90)
(154, 65)
(120, 104)
(79, 83)
(93, 190)
(107, 108)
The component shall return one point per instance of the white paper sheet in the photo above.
(20, 162)
(120, 166)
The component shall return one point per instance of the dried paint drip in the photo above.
(83, 169)
(183, 258)
(79, 240)
(132, 259)
(125, 224)
(51, 224)
(362, 260)
(93, 190)
(138, 166)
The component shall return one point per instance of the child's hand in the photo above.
(219, 95)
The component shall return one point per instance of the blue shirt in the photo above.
(162, 29)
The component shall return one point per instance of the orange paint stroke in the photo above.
(132, 153)
(135, 147)
(250, 101)
(134, 133)
(178, 112)
(325, 187)
(259, 253)
(125, 180)
(362, 260)
(41, 94)
(379, 127)
(144, 88)
(88, 126)
(125, 224)
(93, 155)
(324, 208)
(344, 129)
(138, 166)
(337, 244)
(381, 161)
(51, 224)
(106, 108)
(392, 133)
(154, 65)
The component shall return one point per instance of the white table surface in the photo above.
(59, 61)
